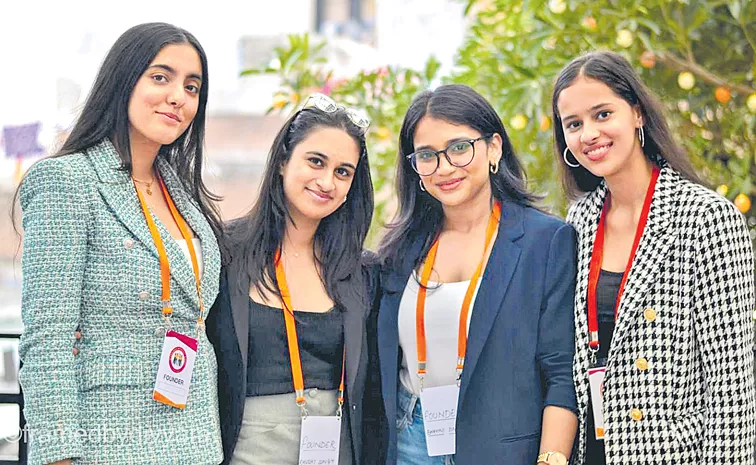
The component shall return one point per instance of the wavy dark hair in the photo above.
(105, 112)
(616, 72)
(338, 241)
(418, 213)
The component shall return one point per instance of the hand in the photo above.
(77, 335)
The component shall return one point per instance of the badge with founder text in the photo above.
(439, 405)
(319, 442)
(175, 370)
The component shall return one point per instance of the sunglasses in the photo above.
(326, 104)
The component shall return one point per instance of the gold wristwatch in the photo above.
(552, 458)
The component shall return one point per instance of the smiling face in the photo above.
(600, 128)
(319, 173)
(451, 185)
(165, 99)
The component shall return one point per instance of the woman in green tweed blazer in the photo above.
(90, 262)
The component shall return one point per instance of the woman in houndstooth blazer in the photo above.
(90, 262)
(678, 385)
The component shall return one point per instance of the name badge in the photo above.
(439, 405)
(175, 370)
(596, 380)
(320, 440)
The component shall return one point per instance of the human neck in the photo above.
(143, 155)
(469, 215)
(298, 239)
(629, 187)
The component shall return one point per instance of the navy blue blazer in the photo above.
(520, 342)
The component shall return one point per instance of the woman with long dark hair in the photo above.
(665, 283)
(475, 330)
(120, 241)
(294, 326)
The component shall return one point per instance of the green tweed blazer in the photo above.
(89, 261)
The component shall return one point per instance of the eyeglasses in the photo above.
(326, 104)
(459, 153)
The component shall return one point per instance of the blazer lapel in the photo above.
(118, 191)
(652, 249)
(354, 322)
(585, 218)
(503, 260)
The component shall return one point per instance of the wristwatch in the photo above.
(552, 458)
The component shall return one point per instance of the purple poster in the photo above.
(21, 141)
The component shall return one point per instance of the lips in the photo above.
(596, 152)
(449, 185)
(170, 116)
(319, 196)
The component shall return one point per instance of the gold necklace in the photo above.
(148, 185)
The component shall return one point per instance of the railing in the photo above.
(17, 399)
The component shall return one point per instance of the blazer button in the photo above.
(144, 295)
(641, 364)
(649, 314)
(354, 407)
(636, 414)
(128, 243)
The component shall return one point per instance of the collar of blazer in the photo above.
(118, 191)
(658, 236)
(356, 305)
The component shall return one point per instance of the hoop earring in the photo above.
(642, 136)
(567, 162)
(494, 167)
(422, 188)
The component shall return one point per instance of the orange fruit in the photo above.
(742, 202)
(723, 189)
(722, 94)
(545, 123)
(648, 59)
(519, 122)
(589, 22)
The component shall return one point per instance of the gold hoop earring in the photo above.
(567, 162)
(494, 167)
(422, 188)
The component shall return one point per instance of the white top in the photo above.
(443, 305)
(197, 249)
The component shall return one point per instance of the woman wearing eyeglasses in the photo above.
(475, 331)
(291, 323)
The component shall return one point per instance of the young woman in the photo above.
(293, 323)
(475, 325)
(665, 285)
(120, 241)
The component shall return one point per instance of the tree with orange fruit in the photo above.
(698, 56)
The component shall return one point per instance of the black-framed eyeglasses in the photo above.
(459, 153)
(326, 104)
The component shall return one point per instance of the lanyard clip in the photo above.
(460, 368)
(422, 379)
(301, 403)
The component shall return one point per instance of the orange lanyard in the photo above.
(165, 266)
(422, 355)
(293, 341)
(594, 268)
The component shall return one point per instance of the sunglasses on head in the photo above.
(326, 104)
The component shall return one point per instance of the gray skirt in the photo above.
(271, 428)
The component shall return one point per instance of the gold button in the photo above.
(649, 314)
(636, 414)
(641, 364)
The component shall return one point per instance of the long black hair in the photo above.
(337, 246)
(616, 72)
(418, 213)
(105, 112)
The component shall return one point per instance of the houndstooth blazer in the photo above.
(686, 310)
(89, 261)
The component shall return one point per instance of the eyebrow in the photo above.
(593, 108)
(326, 157)
(448, 143)
(173, 71)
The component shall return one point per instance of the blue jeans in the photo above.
(410, 444)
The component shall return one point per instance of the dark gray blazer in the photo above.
(228, 330)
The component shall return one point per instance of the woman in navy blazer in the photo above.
(516, 401)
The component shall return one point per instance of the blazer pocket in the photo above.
(688, 429)
(114, 370)
(522, 437)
